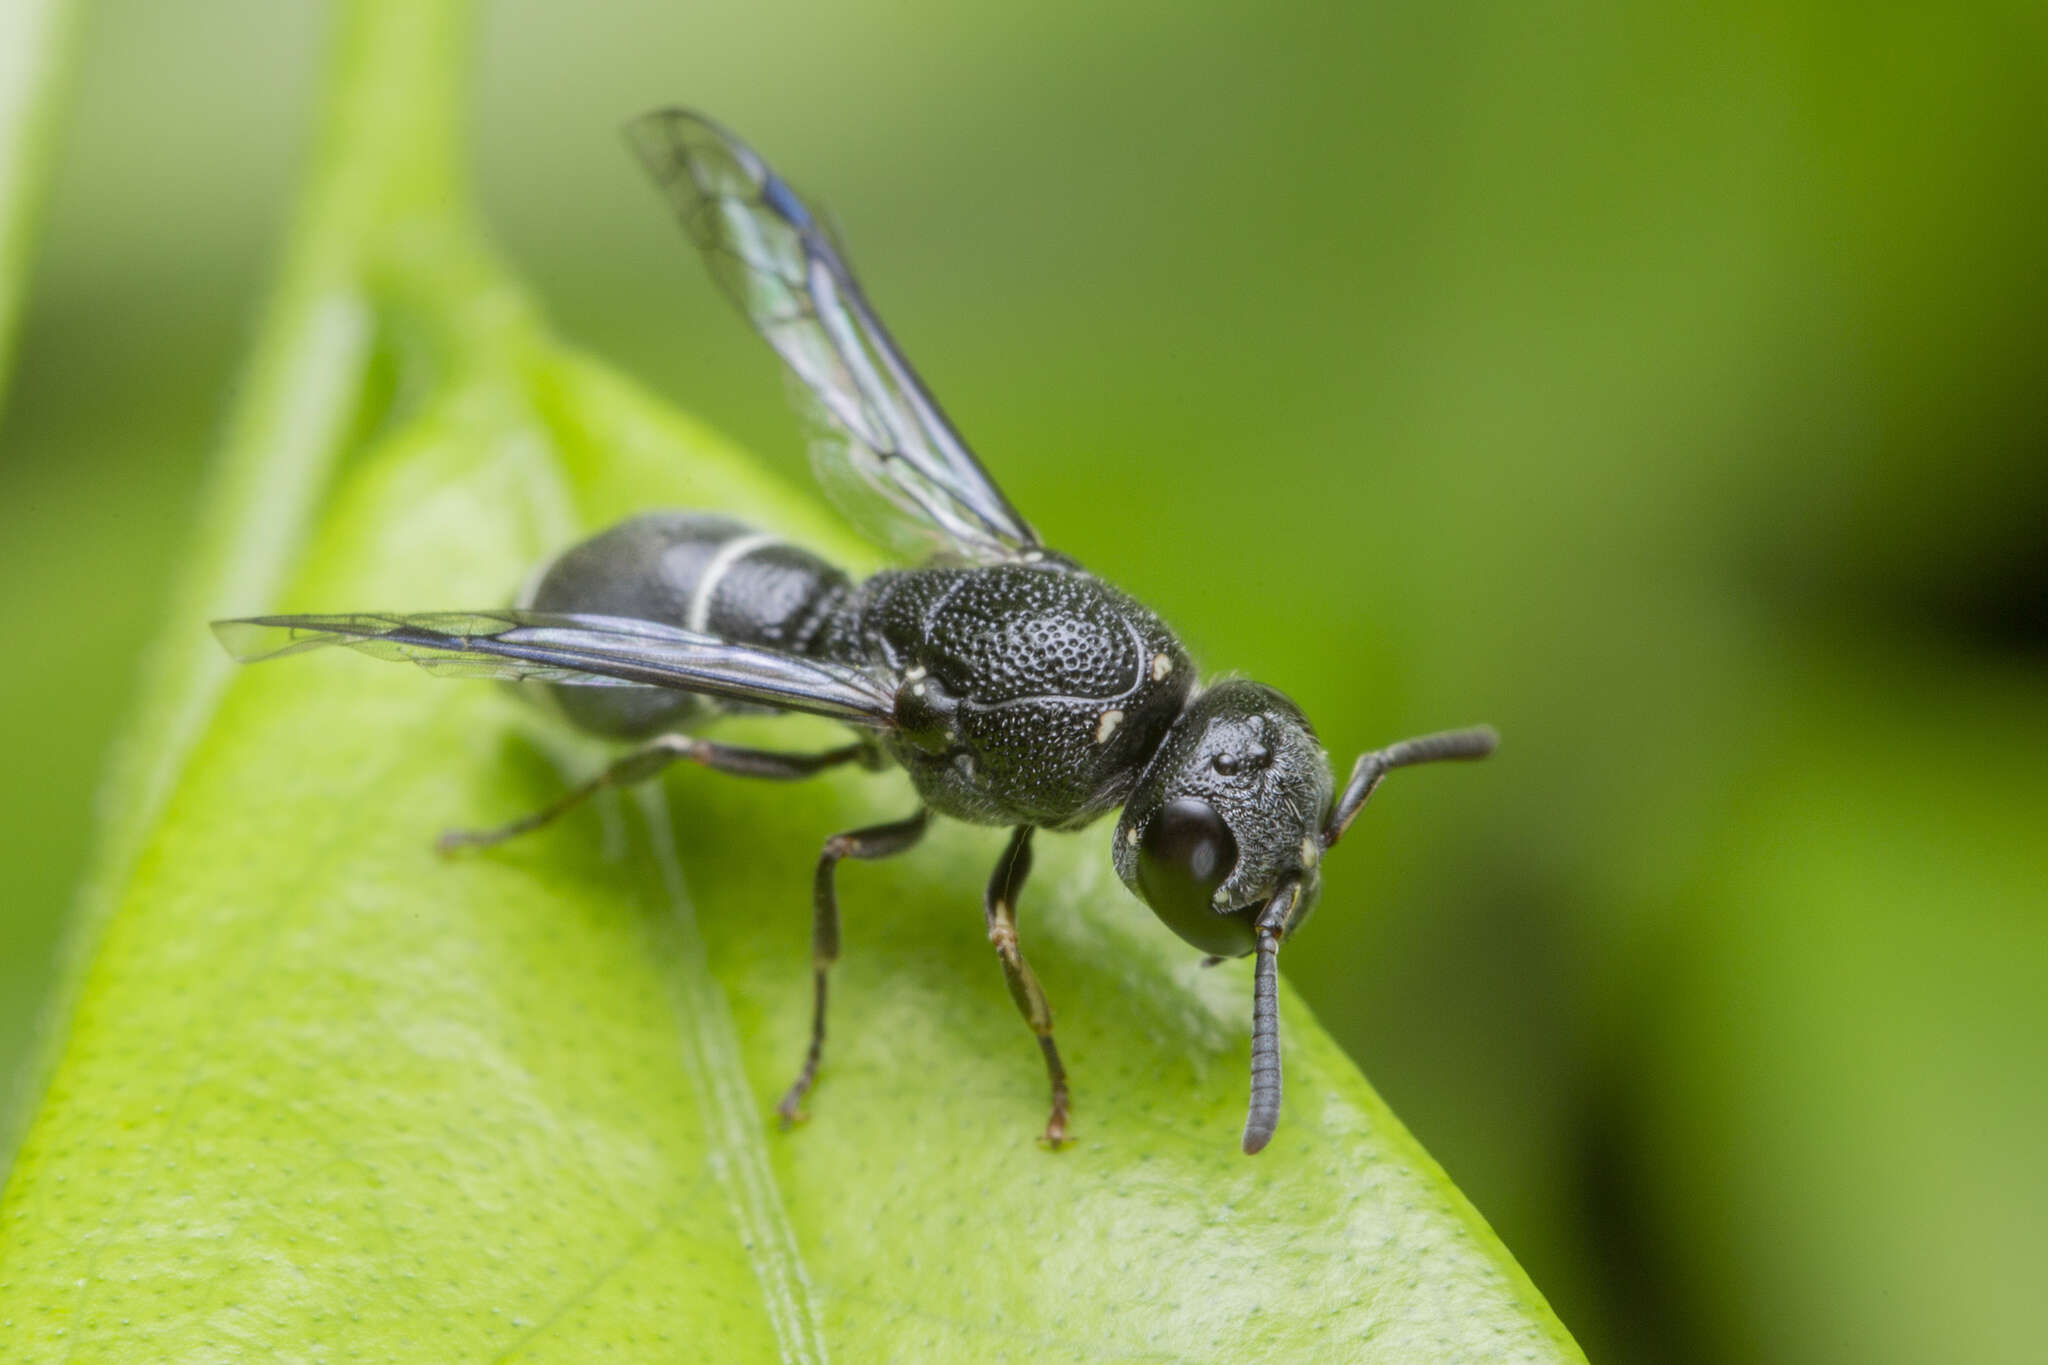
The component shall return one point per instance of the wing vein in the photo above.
(886, 451)
(577, 650)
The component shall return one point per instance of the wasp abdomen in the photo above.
(696, 570)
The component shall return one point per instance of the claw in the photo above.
(1055, 1135)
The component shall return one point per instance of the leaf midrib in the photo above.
(733, 1125)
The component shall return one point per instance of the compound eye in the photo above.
(1186, 853)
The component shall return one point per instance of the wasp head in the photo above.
(1230, 807)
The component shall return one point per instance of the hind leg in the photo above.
(649, 760)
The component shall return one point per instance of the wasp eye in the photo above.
(1254, 756)
(1186, 853)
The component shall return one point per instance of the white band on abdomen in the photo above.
(729, 554)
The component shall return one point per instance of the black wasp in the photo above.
(1015, 687)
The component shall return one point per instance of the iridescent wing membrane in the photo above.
(587, 651)
(887, 454)
(892, 460)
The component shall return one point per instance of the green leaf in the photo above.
(322, 1094)
(34, 45)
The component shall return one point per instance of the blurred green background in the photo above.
(1662, 386)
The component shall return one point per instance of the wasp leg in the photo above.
(1001, 908)
(646, 762)
(878, 841)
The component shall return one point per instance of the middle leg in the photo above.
(1000, 906)
(878, 841)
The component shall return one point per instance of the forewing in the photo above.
(578, 650)
(884, 439)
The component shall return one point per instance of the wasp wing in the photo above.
(886, 452)
(579, 650)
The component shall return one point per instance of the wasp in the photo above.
(1014, 687)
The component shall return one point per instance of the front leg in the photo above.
(1000, 906)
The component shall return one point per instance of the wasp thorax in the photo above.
(1223, 813)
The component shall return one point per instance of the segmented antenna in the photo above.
(1265, 1111)
(1477, 742)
